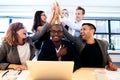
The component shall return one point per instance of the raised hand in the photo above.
(56, 13)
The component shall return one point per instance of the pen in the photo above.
(5, 73)
(19, 72)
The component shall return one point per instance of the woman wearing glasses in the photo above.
(40, 19)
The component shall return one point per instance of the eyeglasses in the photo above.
(11, 73)
(59, 31)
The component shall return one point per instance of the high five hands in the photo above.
(56, 13)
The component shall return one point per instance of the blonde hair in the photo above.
(11, 35)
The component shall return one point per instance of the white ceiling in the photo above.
(94, 8)
(62, 2)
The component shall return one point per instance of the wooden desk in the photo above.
(85, 74)
(82, 74)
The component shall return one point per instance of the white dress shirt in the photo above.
(74, 27)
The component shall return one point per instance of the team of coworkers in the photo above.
(58, 39)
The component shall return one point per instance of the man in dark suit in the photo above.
(57, 49)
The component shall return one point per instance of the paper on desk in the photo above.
(107, 75)
(100, 75)
(113, 75)
(23, 75)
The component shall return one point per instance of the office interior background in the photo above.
(104, 14)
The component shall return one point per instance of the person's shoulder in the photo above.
(5, 43)
(67, 42)
(102, 41)
(47, 41)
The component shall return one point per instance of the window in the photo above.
(4, 24)
(27, 23)
(102, 26)
(106, 29)
(115, 26)
(115, 40)
(115, 33)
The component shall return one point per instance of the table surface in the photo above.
(80, 74)
(83, 74)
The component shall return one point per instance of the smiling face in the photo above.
(16, 34)
(21, 35)
(79, 15)
(86, 32)
(80, 12)
(65, 13)
(56, 33)
(43, 17)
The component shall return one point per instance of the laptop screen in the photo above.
(51, 69)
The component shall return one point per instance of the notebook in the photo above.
(51, 70)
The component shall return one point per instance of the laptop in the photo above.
(51, 70)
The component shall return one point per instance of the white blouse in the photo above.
(24, 53)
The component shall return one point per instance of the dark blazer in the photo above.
(80, 45)
(48, 52)
(9, 54)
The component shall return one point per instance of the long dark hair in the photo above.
(37, 20)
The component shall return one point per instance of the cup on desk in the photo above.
(100, 75)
